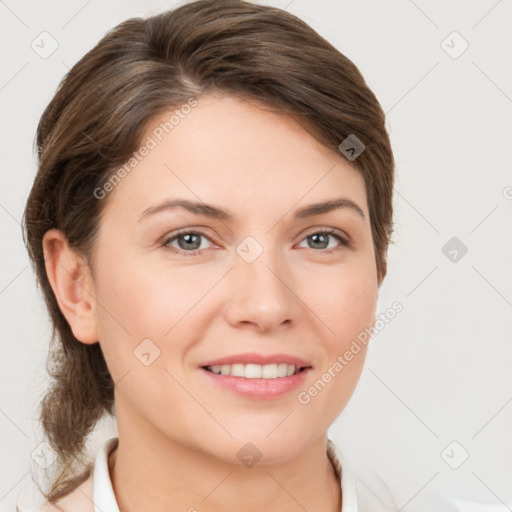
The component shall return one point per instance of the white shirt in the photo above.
(98, 487)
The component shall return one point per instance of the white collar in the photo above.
(105, 500)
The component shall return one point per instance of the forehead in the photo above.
(231, 151)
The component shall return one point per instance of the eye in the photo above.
(189, 242)
(321, 240)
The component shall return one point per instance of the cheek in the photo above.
(348, 310)
(140, 302)
(346, 303)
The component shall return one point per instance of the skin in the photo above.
(179, 434)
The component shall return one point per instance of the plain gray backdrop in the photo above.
(432, 413)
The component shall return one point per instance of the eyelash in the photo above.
(328, 231)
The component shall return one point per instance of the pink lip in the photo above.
(255, 358)
(262, 389)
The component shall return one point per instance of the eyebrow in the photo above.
(215, 212)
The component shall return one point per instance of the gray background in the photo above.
(440, 371)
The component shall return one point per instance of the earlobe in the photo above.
(72, 284)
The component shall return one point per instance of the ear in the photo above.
(72, 284)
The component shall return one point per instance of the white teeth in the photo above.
(252, 371)
(255, 371)
(269, 371)
(238, 370)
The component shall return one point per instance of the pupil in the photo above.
(189, 240)
(318, 236)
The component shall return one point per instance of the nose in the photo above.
(261, 293)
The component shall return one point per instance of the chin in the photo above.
(258, 446)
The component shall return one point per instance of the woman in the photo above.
(209, 225)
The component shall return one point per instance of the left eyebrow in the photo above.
(215, 212)
(319, 208)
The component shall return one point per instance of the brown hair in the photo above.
(98, 115)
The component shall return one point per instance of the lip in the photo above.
(261, 389)
(255, 358)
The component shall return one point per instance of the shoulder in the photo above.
(80, 499)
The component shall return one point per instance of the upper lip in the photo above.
(262, 359)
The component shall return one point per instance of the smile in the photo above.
(256, 371)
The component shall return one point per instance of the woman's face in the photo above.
(178, 289)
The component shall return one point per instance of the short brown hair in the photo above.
(96, 119)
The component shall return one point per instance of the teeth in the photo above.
(282, 369)
(255, 371)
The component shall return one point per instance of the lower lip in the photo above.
(262, 389)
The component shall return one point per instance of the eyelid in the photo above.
(324, 229)
(186, 231)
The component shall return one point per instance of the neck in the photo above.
(175, 477)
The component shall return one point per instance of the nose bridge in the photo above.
(261, 293)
